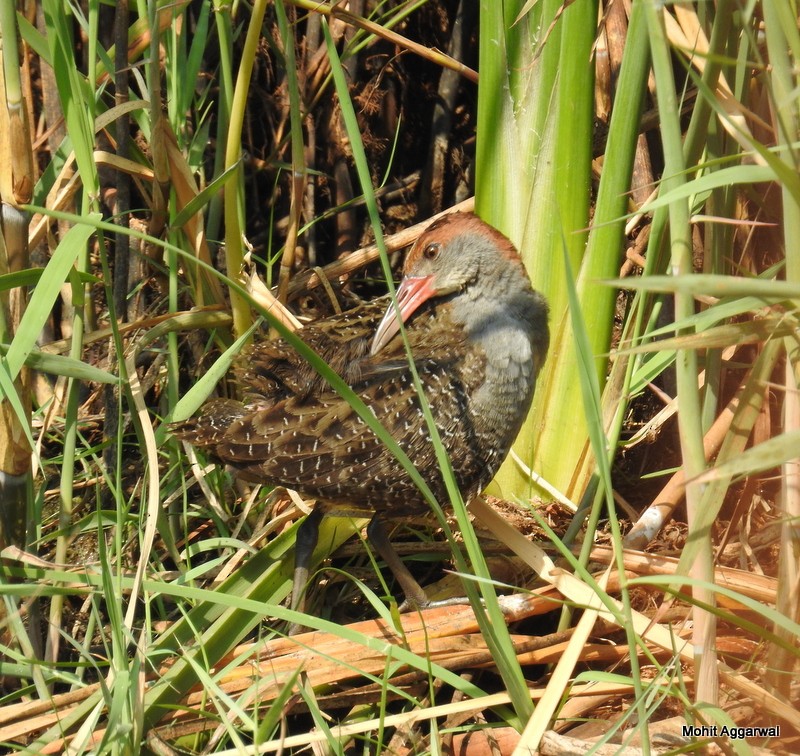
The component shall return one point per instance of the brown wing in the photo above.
(211, 425)
(274, 369)
(295, 430)
(321, 447)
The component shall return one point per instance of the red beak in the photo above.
(413, 291)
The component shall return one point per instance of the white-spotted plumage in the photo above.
(478, 342)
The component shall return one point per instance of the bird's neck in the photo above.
(501, 331)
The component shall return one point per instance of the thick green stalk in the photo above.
(611, 206)
(533, 182)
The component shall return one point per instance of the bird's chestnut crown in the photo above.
(456, 249)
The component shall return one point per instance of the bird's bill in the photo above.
(412, 292)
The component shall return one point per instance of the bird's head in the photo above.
(451, 255)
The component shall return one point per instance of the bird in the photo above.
(478, 334)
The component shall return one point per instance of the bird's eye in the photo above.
(431, 251)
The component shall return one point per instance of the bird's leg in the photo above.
(416, 598)
(304, 545)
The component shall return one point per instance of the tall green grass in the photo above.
(151, 622)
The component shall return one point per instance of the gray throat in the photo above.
(508, 331)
